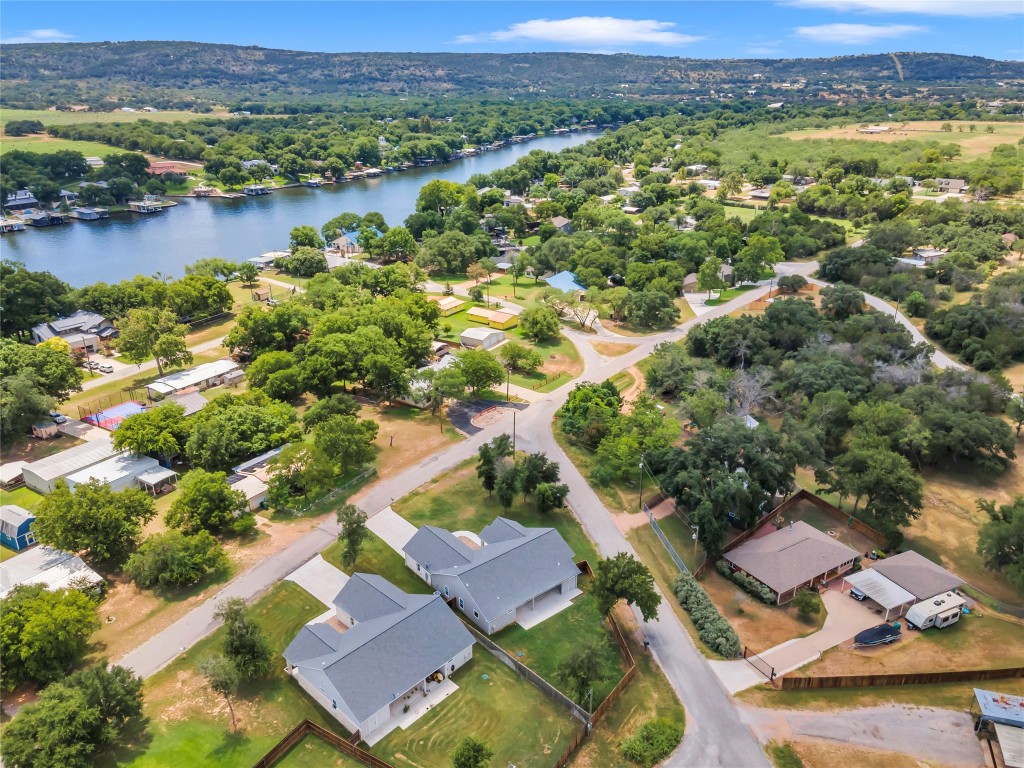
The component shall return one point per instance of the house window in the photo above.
(334, 704)
(462, 603)
(446, 594)
(476, 614)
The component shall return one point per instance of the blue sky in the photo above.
(697, 28)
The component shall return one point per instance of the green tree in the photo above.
(580, 670)
(304, 236)
(44, 633)
(440, 196)
(102, 524)
(245, 644)
(347, 439)
(470, 752)
(353, 532)
(792, 283)
(205, 502)
(247, 272)
(708, 276)
(1001, 539)
(146, 333)
(28, 298)
(159, 431)
(22, 403)
(539, 324)
(1015, 410)
(304, 262)
(760, 252)
(223, 678)
(479, 369)
(807, 604)
(623, 577)
(520, 358)
(50, 365)
(916, 304)
(175, 559)
(398, 244)
(487, 467)
(299, 468)
(841, 301)
(74, 719)
(443, 385)
(323, 409)
(550, 496)
(507, 485)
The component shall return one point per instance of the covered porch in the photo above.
(419, 700)
(157, 481)
(888, 595)
(542, 607)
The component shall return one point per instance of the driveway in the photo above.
(82, 430)
(462, 414)
(392, 528)
(321, 579)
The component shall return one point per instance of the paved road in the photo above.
(149, 365)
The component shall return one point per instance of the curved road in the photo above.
(716, 735)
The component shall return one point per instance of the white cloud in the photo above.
(604, 32)
(927, 7)
(39, 36)
(855, 34)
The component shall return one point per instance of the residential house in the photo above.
(49, 567)
(419, 386)
(696, 169)
(955, 186)
(118, 473)
(81, 330)
(508, 573)
(725, 273)
(562, 224)
(348, 242)
(709, 183)
(927, 255)
(393, 650)
(690, 282)
(762, 193)
(253, 488)
(42, 475)
(792, 558)
(481, 338)
(565, 281)
(201, 377)
(20, 200)
(16, 527)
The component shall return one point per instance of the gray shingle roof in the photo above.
(374, 662)
(917, 574)
(435, 549)
(790, 556)
(515, 565)
(368, 596)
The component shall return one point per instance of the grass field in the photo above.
(376, 556)
(312, 751)
(190, 725)
(493, 704)
(50, 145)
(6, 554)
(52, 117)
(25, 498)
(972, 144)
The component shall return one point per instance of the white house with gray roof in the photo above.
(498, 577)
(81, 330)
(384, 650)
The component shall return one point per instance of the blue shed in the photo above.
(15, 524)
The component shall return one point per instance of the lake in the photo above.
(83, 252)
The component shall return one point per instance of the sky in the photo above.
(689, 28)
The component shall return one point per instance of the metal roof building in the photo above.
(52, 568)
(118, 472)
(42, 475)
(202, 376)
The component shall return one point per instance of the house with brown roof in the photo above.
(791, 559)
(917, 574)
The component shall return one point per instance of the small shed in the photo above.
(117, 473)
(15, 527)
(45, 429)
(10, 474)
(447, 305)
(52, 568)
(481, 338)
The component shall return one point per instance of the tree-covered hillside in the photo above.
(183, 74)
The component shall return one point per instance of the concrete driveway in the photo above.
(321, 579)
(82, 430)
(394, 529)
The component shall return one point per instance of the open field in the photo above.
(944, 695)
(53, 117)
(49, 145)
(457, 501)
(649, 695)
(972, 144)
(190, 725)
(495, 705)
(406, 435)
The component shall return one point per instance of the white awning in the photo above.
(886, 593)
(154, 476)
(1011, 742)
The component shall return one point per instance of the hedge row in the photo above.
(714, 631)
(653, 741)
(748, 584)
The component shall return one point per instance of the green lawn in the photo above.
(565, 355)
(312, 751)
(746, 215)
(548, 644)
(49, 146)
(377, 557)
(6, 554)
(25, 498)
(189, 725)
(52, 117)
(513, 718)
(728, 294)
(457, 501)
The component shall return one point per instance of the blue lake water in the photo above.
(83, 252)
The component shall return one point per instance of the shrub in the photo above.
(808, 605)
(713, 630)
(748, 584)
(652, 742)
(784, 756)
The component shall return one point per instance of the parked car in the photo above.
(89, 365)
(856, 594)
(58, 417)
(106, 368)
(272, 302)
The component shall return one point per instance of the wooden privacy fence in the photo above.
(908, 678)
(309, 728)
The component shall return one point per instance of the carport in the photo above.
(881, 590)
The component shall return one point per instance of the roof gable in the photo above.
(436, 549)
(917, 574)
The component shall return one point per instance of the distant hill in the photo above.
(182, 74)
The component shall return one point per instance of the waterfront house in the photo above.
(393, 651)
(20, 200)
(254, 190)
(90, 214)
(82, 330)
(44, 219)
(144, 206)
(16, 527)
(348, 242)
(508, 573)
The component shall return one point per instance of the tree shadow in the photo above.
(231, 744)
(134, 743)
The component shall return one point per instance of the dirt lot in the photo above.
(973, 144)
(760, 626)
(30, 449)
(416, 434)
(611, 348)
(634, 390)
(827, 754)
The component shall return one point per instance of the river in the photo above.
(127, 244)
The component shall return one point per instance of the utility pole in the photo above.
(696, 533)
(508, 381)
(514, 412)
(641, 499)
